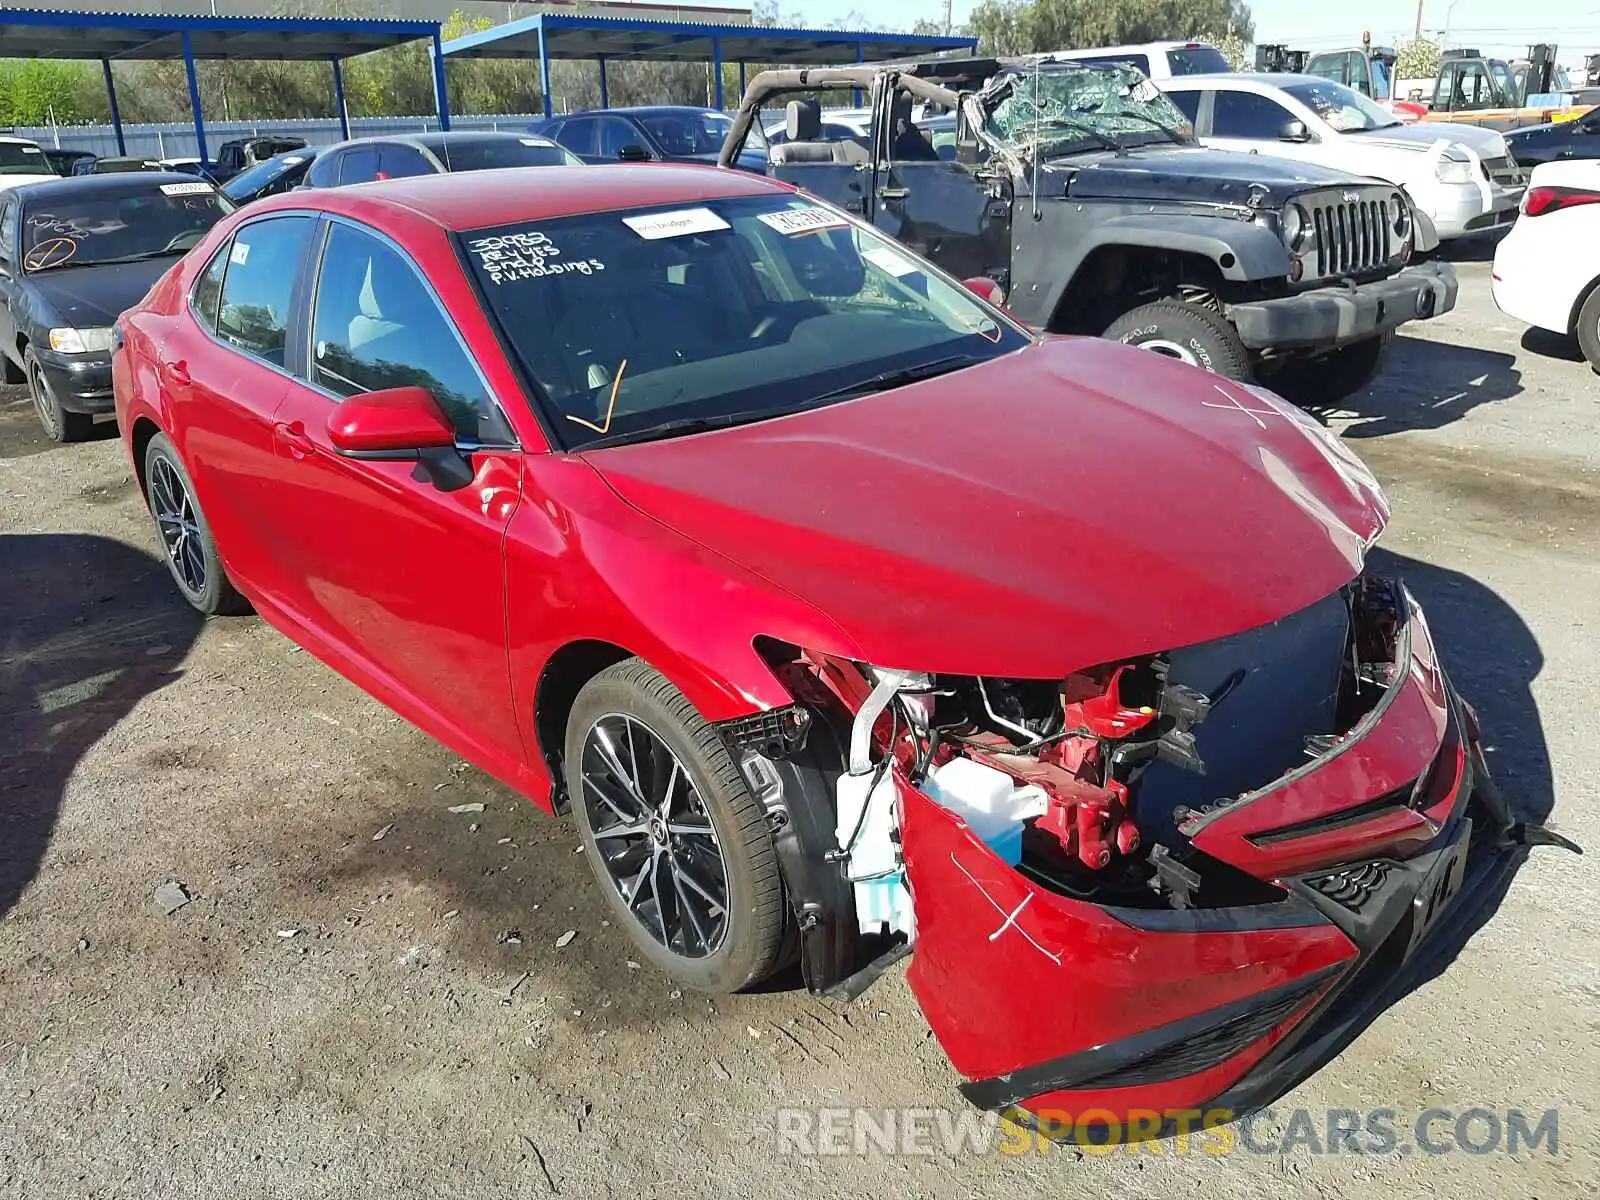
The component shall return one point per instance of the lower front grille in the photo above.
(1353, 236)
(1503, 171)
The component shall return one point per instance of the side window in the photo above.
(615, 134)
(577, 135)
(360, 165)
(1442, 87)
(8, 212)
(258, 285)
(1247, 115)
(208, 288)
(1188, 103)
(377, 325)
(396, 161)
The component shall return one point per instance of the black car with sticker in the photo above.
(74, 255)
(1077, 194)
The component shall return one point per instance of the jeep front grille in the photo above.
(1503, 171)
(1353, 237)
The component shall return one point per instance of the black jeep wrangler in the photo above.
(1080, 191)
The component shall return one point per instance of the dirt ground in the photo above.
(365, 995)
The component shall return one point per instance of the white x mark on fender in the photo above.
(1010, 921)
(1255, 414)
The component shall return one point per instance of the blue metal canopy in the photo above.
(548, 36)
(114, 37)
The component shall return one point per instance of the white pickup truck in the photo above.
(1462, 178)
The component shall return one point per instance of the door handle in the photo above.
(893, 193)
(295, 440)
(178, 373)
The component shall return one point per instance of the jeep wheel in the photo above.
(1198, 336)
(1323, 382)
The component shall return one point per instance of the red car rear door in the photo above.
(400, 579)
(223, 375)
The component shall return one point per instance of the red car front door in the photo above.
(399, 579)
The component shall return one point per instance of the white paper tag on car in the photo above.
(654, 226)
(795, 221)
(186, 189)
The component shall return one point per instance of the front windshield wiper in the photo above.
(1172, 134)
(685, 425)
(1081, 127)
(898, 378)
(142, 256)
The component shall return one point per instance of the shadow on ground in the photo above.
(88, 627)
(1427, 385)
(1552, 345)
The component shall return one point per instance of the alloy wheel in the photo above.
(654, 835)
(180, 530)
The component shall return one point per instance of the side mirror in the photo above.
(1294, 131)
(633, 154)
(396, 425)
(986, 289)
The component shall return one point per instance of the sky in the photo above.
(1488, 25)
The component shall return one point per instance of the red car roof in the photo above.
(482, 198)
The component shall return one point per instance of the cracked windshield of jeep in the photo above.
(1067, 109)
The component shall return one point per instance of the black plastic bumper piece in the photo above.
(1339, 315)
(80, 385)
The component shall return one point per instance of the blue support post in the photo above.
(716, 71)
(194, 96)
(544, 73)
(116, 113)
(605, 95)
(339, 100)
(441, 93)
(855, 95)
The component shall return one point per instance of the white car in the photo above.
(1547, 269)
(22, 161)
(1158, 60)
(1462, 178)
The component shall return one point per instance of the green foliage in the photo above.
(1417, 60)
(1026, 26)
(37, 91)
(1233, 49)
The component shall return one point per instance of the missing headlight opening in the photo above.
(1090, 786)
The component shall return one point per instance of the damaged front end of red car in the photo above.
(1170, 884)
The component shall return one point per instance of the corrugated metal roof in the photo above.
(66, 33)
(570, 36)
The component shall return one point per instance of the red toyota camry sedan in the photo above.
(846, 618)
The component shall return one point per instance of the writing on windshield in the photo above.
(116, 227)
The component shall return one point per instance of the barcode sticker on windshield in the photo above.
(796, 221)
(186, 189)
(240, 254)
(889, 260)
(654, 226)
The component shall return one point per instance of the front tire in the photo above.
(1176, 329)
(186, 540)
(679, 846)
(1589, 330)
(59, 424)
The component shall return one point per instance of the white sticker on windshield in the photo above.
(534, 142)
(796, 221)
(654, 226)
(186, 189)
(294, 162)
(32, 150)
(892, 261)
(240, 254)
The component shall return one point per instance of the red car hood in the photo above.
(1070, 504)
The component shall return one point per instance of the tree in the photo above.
(1417, 59)
(1021, 27)
(39, 91)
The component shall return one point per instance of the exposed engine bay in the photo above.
(1084, 785)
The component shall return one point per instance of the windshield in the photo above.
(1345, 109)
(1504, 80)
(264, 175)
(23, 158)
(1065, 108)
(634, 322)
(119, 225)
(687, 132)
(487, 154)
(1197, 60)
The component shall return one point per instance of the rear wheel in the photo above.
(679, 846)
(1589, 329)
(1187, 332)
(1322, 382)
(59, 424)
(185, 537)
